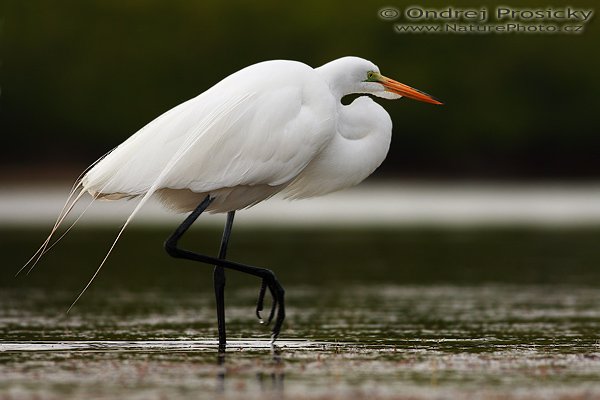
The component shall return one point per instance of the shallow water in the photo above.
(382, 314)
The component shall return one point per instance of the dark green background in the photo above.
(309, 257)
(78, 77)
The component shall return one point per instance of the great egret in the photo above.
(275, 126)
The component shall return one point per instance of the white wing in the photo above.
(260, 126)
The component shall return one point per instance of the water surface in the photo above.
(371, 313)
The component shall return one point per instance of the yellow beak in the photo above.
(406, 91)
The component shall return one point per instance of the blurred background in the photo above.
(79, 77)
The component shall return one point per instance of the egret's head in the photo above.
(357, 75)
(381, 86)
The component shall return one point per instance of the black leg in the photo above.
(219, 282)
(266, 275)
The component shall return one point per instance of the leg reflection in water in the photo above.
(270, 376)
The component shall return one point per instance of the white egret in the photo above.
(276, 126)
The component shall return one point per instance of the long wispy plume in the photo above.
(67, 207)
(213, 118)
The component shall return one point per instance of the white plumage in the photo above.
(272, 126)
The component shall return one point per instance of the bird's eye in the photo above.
(371, 76)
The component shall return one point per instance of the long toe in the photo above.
(261, 300)
(278, 293)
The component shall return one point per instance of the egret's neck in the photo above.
(340, 83)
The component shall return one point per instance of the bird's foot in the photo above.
(260, 303)
(277, 307)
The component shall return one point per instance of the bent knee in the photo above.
(170, 247)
